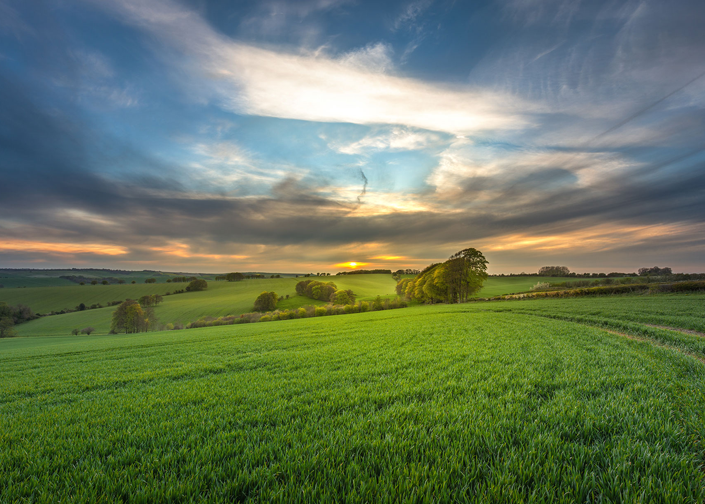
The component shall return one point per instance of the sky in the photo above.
(215, 136)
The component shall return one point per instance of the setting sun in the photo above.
(351, 265)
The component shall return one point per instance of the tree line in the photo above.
(452, 281)
(10, 316)
(325, 291)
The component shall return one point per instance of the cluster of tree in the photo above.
(236, 277)
(131, 317)
(10, 316)
(180, 279)
(82, 280)
(655, 271)
(152, 300)
(324, 291)
(197, 285)
(554, 271)
(365, 272)
(453, 281)
(266, 301)
(398, 273)
(313, 274)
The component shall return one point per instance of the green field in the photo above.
(485, 402)
(221, 298)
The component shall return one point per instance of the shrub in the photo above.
(150, 280)
(541, 286)
(105, 282)
(169, 327)
(348, 308)
(364, 306)
(266, 301)
(302, 312)
(94, 282)
(87, 330)
(197, 285)
(377, 303)
(265, 318)
(75, 332)
(320, 311)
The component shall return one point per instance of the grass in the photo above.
(221, 298)
(432, 403)
(497, 286)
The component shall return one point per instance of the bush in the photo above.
(348, 308)
(105, 282)
(541, 286)
(377, 303)
(265, 318)
(320, 311)
(302, 312)
(87, 330)
(364, 306)
(169, 327)
(75, 332)
(150, 280)
(197, 285)
(267, 301)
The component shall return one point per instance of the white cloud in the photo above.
(394, 139)
(355, 88)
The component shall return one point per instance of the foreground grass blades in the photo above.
(423, 404)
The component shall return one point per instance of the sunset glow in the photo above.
(62, 248)
(351, 265)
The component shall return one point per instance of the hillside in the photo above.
(496, 401)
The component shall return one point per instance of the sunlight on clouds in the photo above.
(389, 258)
(61, 248)
(184, 251)
(353, 88)
(593, 239)
(396, 139)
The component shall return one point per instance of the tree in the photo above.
(453, 281)
(105, 282)
(7, 322)
(197, 285)
(81, 307)
(150, 280)
(234, 277)
(87, 330)
(129, 317)
(554, 271)
(121, 281)
(94, 282)
(267, 301)
(655, 271)
(342, 297)
(75, 331)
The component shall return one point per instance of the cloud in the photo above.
(353, 88)
(392, 139)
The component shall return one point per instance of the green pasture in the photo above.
(480, 402)
(221, 298)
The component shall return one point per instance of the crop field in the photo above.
(485, 402)
(221, 298)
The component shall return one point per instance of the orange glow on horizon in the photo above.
(351, 265)
(62, 248)
(184, 251)
(389, 258)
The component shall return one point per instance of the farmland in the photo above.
(221, 298)
(484, 401)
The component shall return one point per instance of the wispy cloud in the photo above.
(352, 88)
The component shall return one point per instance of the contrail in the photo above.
(644, 110)
(364, 187)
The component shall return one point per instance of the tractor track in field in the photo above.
(633, 337)
(678, 329)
